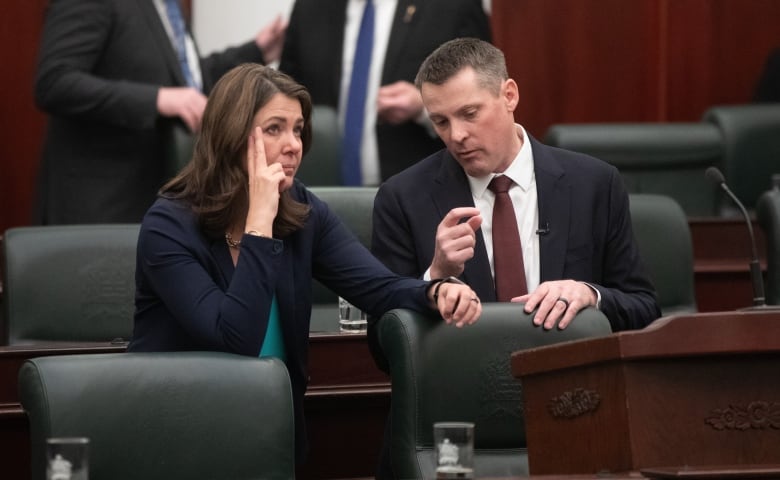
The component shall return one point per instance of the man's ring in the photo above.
(565, 302)
(475, 299)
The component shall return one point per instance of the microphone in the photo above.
(543, 229)
(756, 279)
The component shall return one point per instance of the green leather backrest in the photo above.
(166, 416)
(768, 215)
(664, 240)
(322, 163)
(751, 139)
(69, 283)
(659, 158)
(443, 373)
(355, 206)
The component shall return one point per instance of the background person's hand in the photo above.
(455, 241)
(270, 39)
(398, 102)
(186, 103)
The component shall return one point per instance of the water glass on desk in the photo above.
(67, 458)
(351, 318)
(454, 443)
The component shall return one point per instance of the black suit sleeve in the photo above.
(73, 47)
(627, 295)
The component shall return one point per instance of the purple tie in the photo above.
(507, 251)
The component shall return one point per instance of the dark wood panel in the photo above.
(640, 60)
(21, 124)
(717, 50)
(579, 61)
(721, 251)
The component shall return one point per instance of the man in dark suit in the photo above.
(435, 219)
(320, 45)
(117, 95)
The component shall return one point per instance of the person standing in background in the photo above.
(120, 80)
(360, 57)
(768, 84)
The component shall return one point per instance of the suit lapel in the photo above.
(160, 39)
(554, 197)
(451, 189)
(406, 14)
(337, 17)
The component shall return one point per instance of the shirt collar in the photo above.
(521, 170)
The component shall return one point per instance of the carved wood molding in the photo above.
(756, 415)
(574, 403)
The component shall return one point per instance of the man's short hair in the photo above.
(453, 56)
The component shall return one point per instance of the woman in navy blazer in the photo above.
(227, 254)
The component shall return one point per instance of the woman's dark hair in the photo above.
(215, 181)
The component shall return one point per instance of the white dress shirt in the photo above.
(383, 23)
(525, 204)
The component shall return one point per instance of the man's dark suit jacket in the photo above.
(313, 56)
(582, 202)
(100, 66)
(189, 296)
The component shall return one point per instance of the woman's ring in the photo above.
(474, 299)
(565, 302)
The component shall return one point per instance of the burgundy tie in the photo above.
(507, 251)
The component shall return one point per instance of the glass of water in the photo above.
(67, 458)
(351, 318)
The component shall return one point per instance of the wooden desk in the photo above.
(721, 255)
(694, 390)
(347, 393)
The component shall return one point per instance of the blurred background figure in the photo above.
(361, 56)
(123, 85)
(768, 87)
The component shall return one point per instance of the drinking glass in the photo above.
(351, 318)
(67, 458)
(454, 443)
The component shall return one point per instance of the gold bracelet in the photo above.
(256, 234)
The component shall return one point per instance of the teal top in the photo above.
(273, 345)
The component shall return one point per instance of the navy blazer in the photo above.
(100, 66)
(314, 44)
(190, 296)
(582, 202)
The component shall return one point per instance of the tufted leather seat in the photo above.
(69, 282)
(751, 149)
(164, 416)
(664, 240)
(768, 215)
(657, 158)
(443, 373)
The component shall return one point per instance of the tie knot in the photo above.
(500, 184)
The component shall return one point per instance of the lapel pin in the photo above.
(409, 13)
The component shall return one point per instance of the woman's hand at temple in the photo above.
(264, 181)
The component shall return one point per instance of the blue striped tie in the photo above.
(356, 100)
(180, 40)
